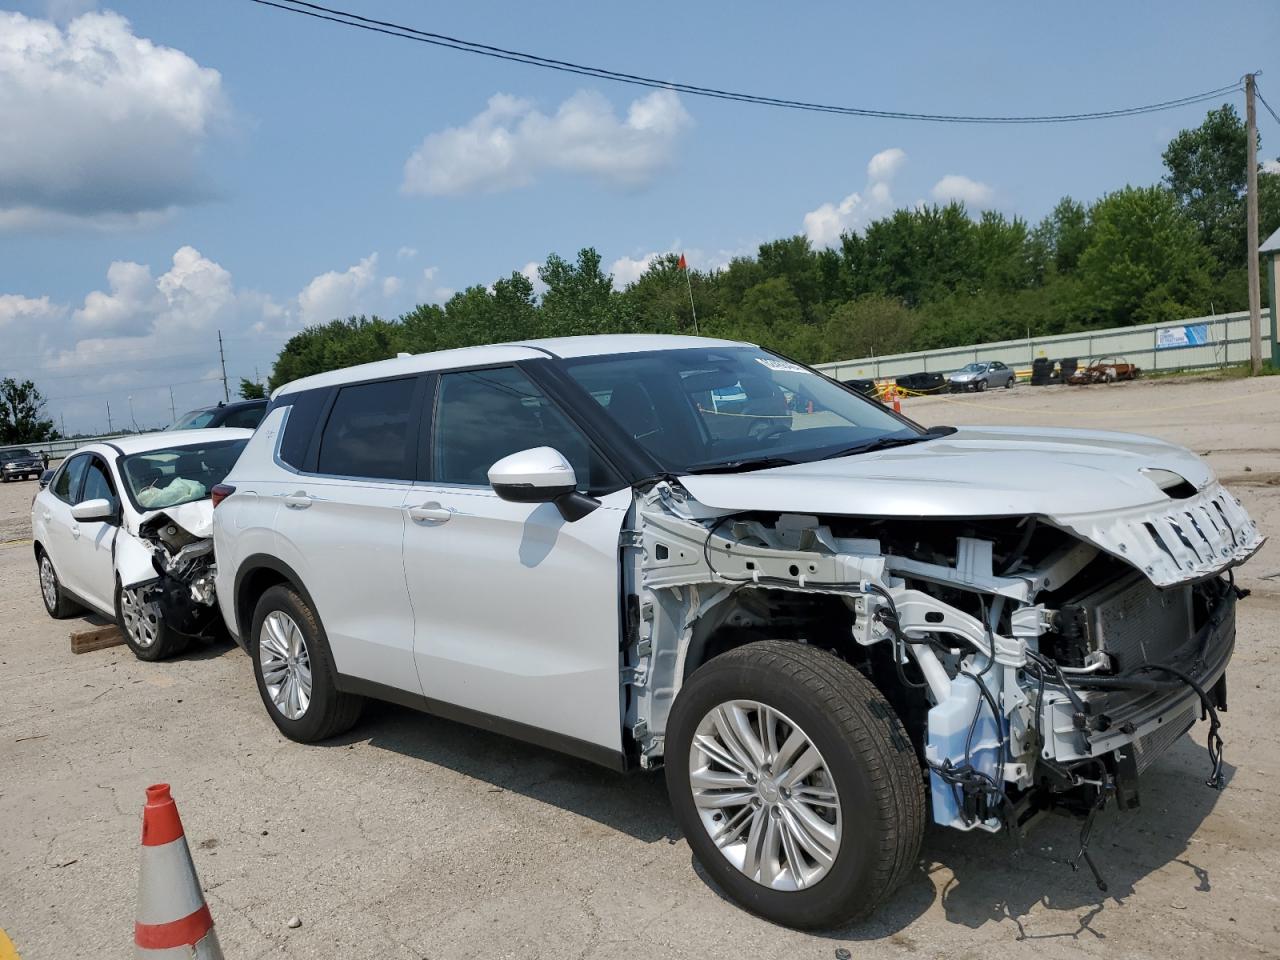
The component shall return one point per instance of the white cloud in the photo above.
(627, 270)
(332, 295)
(98, 125)
(510, 143)
(531, 271)
(391, 286)
(884, 166)
(1271, 166)
(406, 253)
(824, 225)
(15, 309)
(971, 193)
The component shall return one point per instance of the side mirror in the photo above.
(541, 475)
(91, 510)
(45, 477)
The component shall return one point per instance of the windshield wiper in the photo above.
(887, 443)
(754, 463)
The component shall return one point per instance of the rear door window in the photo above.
(248, 417)
(371, 431)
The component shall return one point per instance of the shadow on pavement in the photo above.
(635, 804)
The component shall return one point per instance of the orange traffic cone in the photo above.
(172, 919)
(897, 403)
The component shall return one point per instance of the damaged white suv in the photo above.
(822, 619)
(145, 558)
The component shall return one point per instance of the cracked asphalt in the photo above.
(414, 837)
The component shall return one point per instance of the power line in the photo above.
(1258, 93)
(318, 12)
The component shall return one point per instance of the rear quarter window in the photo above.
(300, 428)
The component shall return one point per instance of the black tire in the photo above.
(63, 606)
(167, 642)
(872, 763)
(330, 711)
(1010, 382)
(982, 386)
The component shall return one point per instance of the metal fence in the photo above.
(1215, 341)
(57, 449)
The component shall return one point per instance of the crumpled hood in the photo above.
(1092, 483)
(195, 517)
(977, 471)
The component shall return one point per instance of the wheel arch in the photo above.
(257, 574)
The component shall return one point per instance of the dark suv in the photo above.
(20, 463)
(238, 413)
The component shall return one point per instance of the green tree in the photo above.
(1146, 262)
(329, 346)
(580, 297)
(1064, 234)
(872, 325)
(249, 390)
(22, 417)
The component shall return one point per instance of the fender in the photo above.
(133, 560)
(253, 564)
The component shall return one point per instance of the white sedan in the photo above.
(144, 559)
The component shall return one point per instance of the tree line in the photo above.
(919, 278)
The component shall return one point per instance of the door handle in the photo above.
(75, 531)
(430, 513)
(298, 501)
(47, 516)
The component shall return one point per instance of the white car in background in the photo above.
(144, 559)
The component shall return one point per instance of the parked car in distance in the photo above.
(123, 529)
(566, 541)
(981, 375)
(19, 463)
(237, 413)
(1104, 370)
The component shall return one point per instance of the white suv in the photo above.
(822, 619)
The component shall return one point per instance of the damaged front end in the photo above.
(1035, 660)
(171, 561)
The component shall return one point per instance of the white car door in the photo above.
(517, 612)
(54, 514)
(92, 541)
(340, 527)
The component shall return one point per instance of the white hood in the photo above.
(1090, 482)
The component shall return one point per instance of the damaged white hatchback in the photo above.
(144, 559)
(826, 622)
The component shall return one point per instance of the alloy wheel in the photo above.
(141, 617)
(48, 583)
(286, 664)
(765, 795)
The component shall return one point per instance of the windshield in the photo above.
(193, 420)
(974, 368)
(707, 407)
(174, 475)
(16, 455)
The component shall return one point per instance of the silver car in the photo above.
(981, 375)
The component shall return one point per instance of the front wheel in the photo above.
(982, 386)
(795, 784)
(141, 621)
(294, 669)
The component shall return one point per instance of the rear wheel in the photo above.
(1008, 385)
(56, 601)
(142, 623)
(795, 784)
(294, 669)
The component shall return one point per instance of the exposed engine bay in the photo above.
(172, 560)
(1034, 662)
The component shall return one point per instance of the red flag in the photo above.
(683, 264)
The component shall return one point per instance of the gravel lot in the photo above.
(414, 837)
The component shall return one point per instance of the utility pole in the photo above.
(1251, 204)
(110, 428)
(173, 413)
(222, 358)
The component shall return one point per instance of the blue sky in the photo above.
(224, 165)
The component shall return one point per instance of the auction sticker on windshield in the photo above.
(782, 366)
